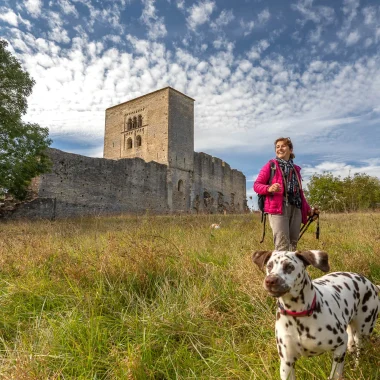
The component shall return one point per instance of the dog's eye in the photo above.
(270, 266)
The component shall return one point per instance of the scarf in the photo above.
(291, 184)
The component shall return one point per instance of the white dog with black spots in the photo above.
(331, 313)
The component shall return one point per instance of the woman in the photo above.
(285, 202)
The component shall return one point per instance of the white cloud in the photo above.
(33, 7)
(353, 38)
(156, 25)
(255, 52)
(200, 13)
(342, 169)
(264, 16)
(370, 15)
(9, 16)
(317, 14)
(315, 35)
(247, 27)
(180, 4)
(223, 19)
(57, 32)
(350, 9)
(368, 42)
(67, 7)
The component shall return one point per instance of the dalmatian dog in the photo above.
(331, 313)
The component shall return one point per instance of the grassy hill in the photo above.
(159, 297)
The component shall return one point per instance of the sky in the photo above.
(257, 69)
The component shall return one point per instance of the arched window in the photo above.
(134, 123)
(180, 185)
(129, 124)
(129, 143)
(139, 121)
(138, 140)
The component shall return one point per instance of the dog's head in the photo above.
(285, 271)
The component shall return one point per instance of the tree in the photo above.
(325, 190)
(360, 192)
(22, 145)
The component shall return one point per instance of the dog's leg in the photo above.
(285, 348)
(351, 341)
(338, 360)
(287, 371)
(354, 341)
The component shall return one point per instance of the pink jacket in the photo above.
(273, 201)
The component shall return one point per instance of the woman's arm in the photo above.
(260, 186)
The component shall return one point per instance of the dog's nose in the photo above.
(272, 280)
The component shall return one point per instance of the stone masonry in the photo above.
(149, 165)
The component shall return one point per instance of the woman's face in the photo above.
(282, 150)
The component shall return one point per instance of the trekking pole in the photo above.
(263, 219)
(317, 230)
(306, 226)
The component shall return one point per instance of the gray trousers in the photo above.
(286, 228)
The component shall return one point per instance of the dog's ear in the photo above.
(318, 259)
(260, 258)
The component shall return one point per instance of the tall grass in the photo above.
(158, 297)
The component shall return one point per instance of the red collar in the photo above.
(305, 313)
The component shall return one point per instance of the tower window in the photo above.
(134, 122)
(129, 143)
(180, 185)
(138, 140)
(129, 124)
(139, 121)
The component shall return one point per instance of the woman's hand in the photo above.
(274, 188)
(314, 212)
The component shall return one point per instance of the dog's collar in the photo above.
(305, 313)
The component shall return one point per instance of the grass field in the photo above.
(159, 297)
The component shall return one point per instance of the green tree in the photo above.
(22, 145)
(360, 192)
(325, 190)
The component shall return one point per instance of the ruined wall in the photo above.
(79, 185)
(162, 174)
(217, 187)
(88, 186)
(180, 185)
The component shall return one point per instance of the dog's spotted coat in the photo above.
(346, 308)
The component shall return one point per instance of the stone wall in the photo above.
(90, 186)
(217, 187)
(162, 174)
(79, 185)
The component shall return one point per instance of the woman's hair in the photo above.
(288, 142)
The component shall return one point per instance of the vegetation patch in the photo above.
(159, 297)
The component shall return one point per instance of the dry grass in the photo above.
(158, 297)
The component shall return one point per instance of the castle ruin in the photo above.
(149, 165)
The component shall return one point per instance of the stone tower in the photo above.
(156, 127)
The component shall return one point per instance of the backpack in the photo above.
(261, 198)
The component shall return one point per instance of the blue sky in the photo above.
(257, 69)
